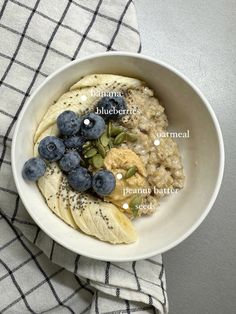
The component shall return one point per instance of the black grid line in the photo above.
(35, 41)
(36, 235)
(86, 309)
(136, 276)
(6, 113)
(22, 64)
(8, 139)
(119, 25)
(107, 271)
(162, 285)
(154, 262)
(96, 303)
(15, 89)
(84, 285)
(150, 300)
(21, 265)
(9, 243)
(127, 306)
(109, 18)
(52, 249)
(87, 30)
(136, 309)
(76, 263)
(23, 222)
(140, 47)
(16, 209)
(18, 219)
(127, 271)
(23, 297)
(6, 162)
(8, 191)
(62, 25)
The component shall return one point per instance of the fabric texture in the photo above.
(37, 275)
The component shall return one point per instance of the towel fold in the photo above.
(37, 275)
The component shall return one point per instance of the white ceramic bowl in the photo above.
(203, 156)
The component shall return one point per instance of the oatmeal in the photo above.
(162, 162)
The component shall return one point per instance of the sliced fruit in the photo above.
(101, 220)
(51, 185)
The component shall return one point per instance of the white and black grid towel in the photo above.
(36, 274)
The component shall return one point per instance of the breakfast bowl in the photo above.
(191, 121)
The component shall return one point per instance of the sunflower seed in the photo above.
(130, 172)
(119, 138)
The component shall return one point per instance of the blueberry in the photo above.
(92, 126)
(33, 169)
(75, 142)
(111, 108)
(68, 123)
(51, 148)
(80, 179)
(70, 161)
(103, 182)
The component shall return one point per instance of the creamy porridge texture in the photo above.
(143, 166)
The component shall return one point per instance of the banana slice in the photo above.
(105, 80)
(49, 185)
(63, 203)
(52, 186)
(101, 220)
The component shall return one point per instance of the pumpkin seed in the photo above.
(134, 204)
(101, 149)
(104, 140)
(111, 143)
(109, 127)
(87, 145)
(130, 172)
(90, 153)
(119, 138)
(116, 130)
(131, 137)
(97, 161)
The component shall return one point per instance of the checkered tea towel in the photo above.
(37, 275)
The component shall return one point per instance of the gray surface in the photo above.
(198, 38)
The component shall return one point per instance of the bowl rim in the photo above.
(204, 101)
